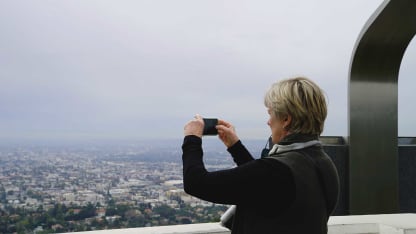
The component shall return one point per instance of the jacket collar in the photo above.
(294, 142)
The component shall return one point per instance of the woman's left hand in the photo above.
(226, 133)
(195, 127)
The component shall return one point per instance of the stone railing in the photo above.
(355, 224)
(200, 228)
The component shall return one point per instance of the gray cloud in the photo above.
(139, 69)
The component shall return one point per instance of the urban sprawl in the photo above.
(46, 189)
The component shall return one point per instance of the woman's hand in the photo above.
(194, 127)
(227, 134)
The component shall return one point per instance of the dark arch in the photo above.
(373, 97)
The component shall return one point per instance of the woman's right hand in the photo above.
(227, 134)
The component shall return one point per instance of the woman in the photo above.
(293, 190)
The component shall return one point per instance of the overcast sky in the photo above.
(76, 69)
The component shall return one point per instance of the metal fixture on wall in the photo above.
(373, 98)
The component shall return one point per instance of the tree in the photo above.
(2, 194)
(87, 212)
(165, 211)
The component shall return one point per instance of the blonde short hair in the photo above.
(301, 99)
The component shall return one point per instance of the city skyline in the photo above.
(128, 186)
(74, 70)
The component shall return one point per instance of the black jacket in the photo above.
(273, 195)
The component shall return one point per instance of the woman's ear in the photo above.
(286, 121)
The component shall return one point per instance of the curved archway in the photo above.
(406, 93)
(373, 98)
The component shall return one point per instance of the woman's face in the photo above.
(277, 126)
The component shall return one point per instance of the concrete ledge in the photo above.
(377, 224)
(200, 228)
(354, 224)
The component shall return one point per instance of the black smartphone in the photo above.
(209, 128)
